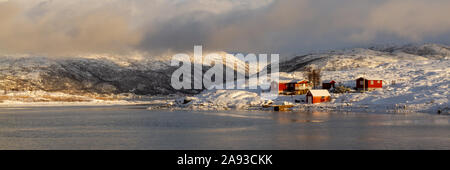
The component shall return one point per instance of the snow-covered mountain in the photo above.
(87, 74)
(348, 59)
(102, 74)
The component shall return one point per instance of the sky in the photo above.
(287, 27)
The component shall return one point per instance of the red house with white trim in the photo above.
(318, 96)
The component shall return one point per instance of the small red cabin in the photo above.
(368, 84)
(318, 96)
(328, 84)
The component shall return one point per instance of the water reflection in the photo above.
(127, 127)
(238, 114)
(300, 117)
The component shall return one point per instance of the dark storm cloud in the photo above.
(66, 27)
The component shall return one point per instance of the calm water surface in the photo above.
(133, 127)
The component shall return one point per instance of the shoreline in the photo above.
(170, 105)
(399, 108)
(68, 104)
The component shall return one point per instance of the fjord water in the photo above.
(134, 127)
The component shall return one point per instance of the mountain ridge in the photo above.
(144, 76)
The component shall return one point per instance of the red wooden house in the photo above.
(368, 84)
(317, 96)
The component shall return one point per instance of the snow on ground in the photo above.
(91, 103)
(418, 84)
(42, 98)
(223, 100)
(410, 83)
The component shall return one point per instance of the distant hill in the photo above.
(365, 57)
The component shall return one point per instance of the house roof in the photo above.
(369, 78)
(293, 81)
(320, 92)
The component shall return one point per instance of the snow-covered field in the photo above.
(414, 80)
(42, 98)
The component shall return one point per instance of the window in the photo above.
(379, 81)
(371, 82)
(361, 82)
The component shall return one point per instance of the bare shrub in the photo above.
(342, 89)
(312, 73)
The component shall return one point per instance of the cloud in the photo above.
(412, 19)
(190, 23)
(65, 27)
(50, 29)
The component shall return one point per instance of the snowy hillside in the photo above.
(96, 74)
(81, 75)
(415, 78)
(370, 58)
